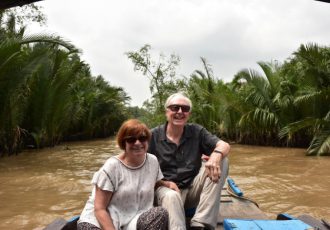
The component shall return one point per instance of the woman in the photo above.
(123, 193)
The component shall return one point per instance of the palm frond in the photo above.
(53, 39)
(320, 144)
(296, 126)
(307, 97)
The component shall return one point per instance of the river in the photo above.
(39, 186)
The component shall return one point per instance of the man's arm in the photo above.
(212, 166)
(222, 148)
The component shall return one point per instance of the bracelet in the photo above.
(218, 151)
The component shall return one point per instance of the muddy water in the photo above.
(38, 186)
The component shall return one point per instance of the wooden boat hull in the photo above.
(235, 208)
(231, 207)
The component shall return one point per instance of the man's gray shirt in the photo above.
(181, 163)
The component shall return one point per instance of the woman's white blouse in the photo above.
(132, 187)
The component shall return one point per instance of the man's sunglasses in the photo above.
(132, 140)
(176, 108)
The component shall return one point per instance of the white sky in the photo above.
(230, 34)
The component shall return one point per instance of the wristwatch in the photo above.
(218, 151)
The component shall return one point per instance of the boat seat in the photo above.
(240, 224)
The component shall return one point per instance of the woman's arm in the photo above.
(102, 200)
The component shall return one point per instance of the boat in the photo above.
(237, 212)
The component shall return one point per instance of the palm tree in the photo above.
(16, 67)
(204, 92)
(262, 120)
(50, 100)
(310, 69)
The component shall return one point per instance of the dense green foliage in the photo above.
(286, 105)
(47, 94)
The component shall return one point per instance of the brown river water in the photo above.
(38, 186)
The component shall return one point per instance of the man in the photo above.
(188, 182)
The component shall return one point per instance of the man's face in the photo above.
(178, 111)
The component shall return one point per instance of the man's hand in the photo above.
(168, 184)
(173, 186)
(212, 167)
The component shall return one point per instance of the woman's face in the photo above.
(136, 145)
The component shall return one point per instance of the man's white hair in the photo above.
(175, 95)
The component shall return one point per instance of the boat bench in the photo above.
(236, 224)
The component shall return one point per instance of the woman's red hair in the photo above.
(132, 128)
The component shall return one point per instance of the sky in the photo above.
(231, 34)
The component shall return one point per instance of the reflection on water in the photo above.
(39, 186)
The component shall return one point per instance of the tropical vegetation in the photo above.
(48, 95)
(287, 104)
